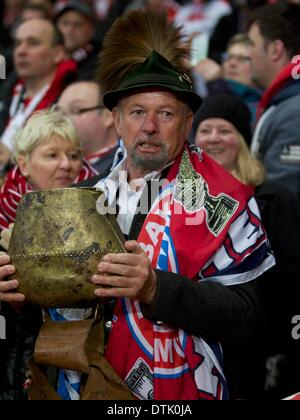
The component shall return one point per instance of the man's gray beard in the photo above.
(149, 163)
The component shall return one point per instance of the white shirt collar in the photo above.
(129, 195)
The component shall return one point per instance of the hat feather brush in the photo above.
(131, 40)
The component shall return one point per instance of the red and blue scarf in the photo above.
(201, 214)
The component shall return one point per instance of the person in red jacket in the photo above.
(48, 155)
(42, 73)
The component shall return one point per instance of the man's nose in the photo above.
(150, 125)
(69, 28)
(21, 49)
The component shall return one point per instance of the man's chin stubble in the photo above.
(148, 163)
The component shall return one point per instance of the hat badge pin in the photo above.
(186, 78)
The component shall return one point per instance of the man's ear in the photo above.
(188, 124)
(22, 163)
(116, 114)
(276, 50)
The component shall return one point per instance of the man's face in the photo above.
(260, 60)
(76, 29)
(90, 125)
(34, 53)
(154, 126)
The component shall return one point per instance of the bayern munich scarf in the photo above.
(203, 224)
(16, 185)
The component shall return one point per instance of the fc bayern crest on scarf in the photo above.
(192, 193)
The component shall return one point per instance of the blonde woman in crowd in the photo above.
(47, 155)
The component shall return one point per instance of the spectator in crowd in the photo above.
(48, 155)
(159, 279)
(226, 28)
(47, 5)
(102, 8)
(94, 124)
(41, 74)
(171, 7)
(11, 15)
(116, 9)
(201, 16)
(12, 11)
(234, 75)
(222, 129)
(275, 35)
(34, 11)
(76, 21)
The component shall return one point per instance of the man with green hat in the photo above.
(196, 226)
(186, 286)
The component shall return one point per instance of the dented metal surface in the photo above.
(57, 242)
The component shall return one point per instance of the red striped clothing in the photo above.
(16, 185)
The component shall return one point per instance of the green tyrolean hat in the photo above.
(155, 72)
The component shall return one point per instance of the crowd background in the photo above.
(69, 51)
(223, 61)
(225, 19)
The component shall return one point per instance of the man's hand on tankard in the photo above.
(128, 275)
(7, 293)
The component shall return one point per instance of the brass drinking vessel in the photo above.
(57, 242)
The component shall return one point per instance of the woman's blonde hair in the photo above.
(248, 169)
(40, 127)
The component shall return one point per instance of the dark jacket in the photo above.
(86, 60)
(5, 99)
(104, 163)
(215, 312)
(279, 294)
(16, 350)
